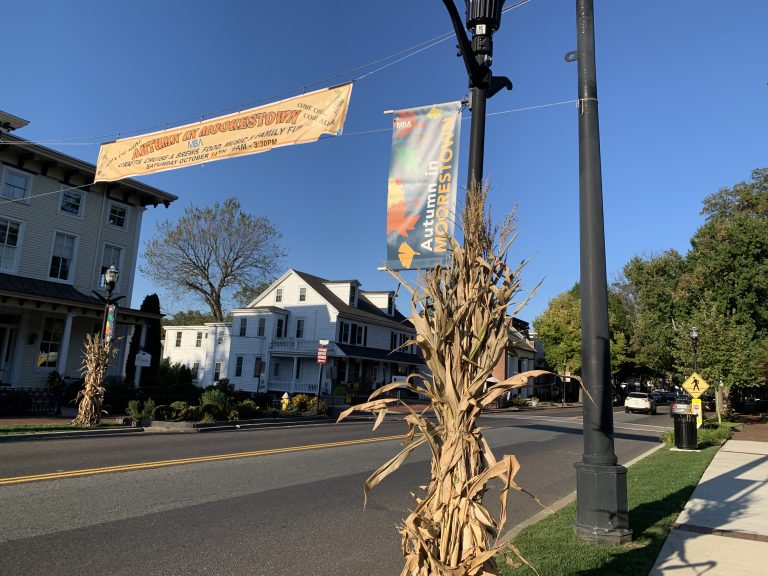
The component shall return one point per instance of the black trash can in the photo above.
(685, 432)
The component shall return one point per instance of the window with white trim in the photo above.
(118, 215)
(262, 327)
(199, 340)
(302, 294)
(239, 366)
(62, 256)
(110, 256)
(243, 326)
(178, 339)
(280, 331)
(71, 202)
(300, 328)
(195, 370)
(15, 184)
(217, 371)
(10, 235)
(279, 295)
(50, 342)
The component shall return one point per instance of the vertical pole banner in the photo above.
(109, 323)
(421, 200)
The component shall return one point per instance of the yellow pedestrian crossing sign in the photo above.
(695, 385)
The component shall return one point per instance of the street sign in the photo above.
(322, 355)
(696, 404)
(695, 385)
(143, 359)
(567, 376)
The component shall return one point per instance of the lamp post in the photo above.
(483, 18)
(601, 484)
(694, 343)
(111, 275)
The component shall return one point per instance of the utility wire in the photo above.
(395, 58)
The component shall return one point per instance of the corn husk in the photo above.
(462, 318)
(90, 399)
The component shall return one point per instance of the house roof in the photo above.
(365, 309)
(32, 289)
(120, 190)
(378, 354)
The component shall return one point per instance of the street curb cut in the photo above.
(555, 506)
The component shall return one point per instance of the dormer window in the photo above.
(390, 305)
(352, 296)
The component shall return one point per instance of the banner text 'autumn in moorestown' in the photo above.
(421, 201)
(295, 120)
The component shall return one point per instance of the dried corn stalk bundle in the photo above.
(462, 321)
(97, 357)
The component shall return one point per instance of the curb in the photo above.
(564, 501)
(69, 434)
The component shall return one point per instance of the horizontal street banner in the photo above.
(295, 120)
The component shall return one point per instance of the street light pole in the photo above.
(695, 342)
(483, 18)
(111, 275)
(601, 484)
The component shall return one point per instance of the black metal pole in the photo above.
(319, 385)
(476, 137)
(695, 355)
(601, 485)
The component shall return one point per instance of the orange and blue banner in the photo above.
(295, 120)
(421, 200)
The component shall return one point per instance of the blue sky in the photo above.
(682, 91)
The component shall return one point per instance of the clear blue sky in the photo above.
(683, 110)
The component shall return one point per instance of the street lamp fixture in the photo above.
(483, 18)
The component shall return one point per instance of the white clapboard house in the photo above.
(58, 233)
(272, 344)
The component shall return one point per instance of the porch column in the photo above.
(293, 374)
(61, 361)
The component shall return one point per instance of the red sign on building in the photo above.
(322, 353)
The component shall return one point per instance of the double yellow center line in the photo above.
(196, 460)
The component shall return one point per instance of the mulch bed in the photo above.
(753, 428)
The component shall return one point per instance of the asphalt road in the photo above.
(266, 508)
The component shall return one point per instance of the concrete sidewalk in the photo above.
(723, 529)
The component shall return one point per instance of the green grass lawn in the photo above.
(658, 488)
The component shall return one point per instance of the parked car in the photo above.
(659, 396)
(640, 402)
(708, 402)
(670, 396)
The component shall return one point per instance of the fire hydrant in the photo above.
(285, 400)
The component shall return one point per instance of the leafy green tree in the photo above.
(152, 343)
(729, 254)
(559, 328)
(188, 318)
(647, 288)
(725, 287)
(248, 294)
(213, 251)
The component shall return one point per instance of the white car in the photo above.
(640, 402)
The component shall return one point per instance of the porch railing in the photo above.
(292, 387)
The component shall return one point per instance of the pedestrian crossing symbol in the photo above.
(695, 385)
